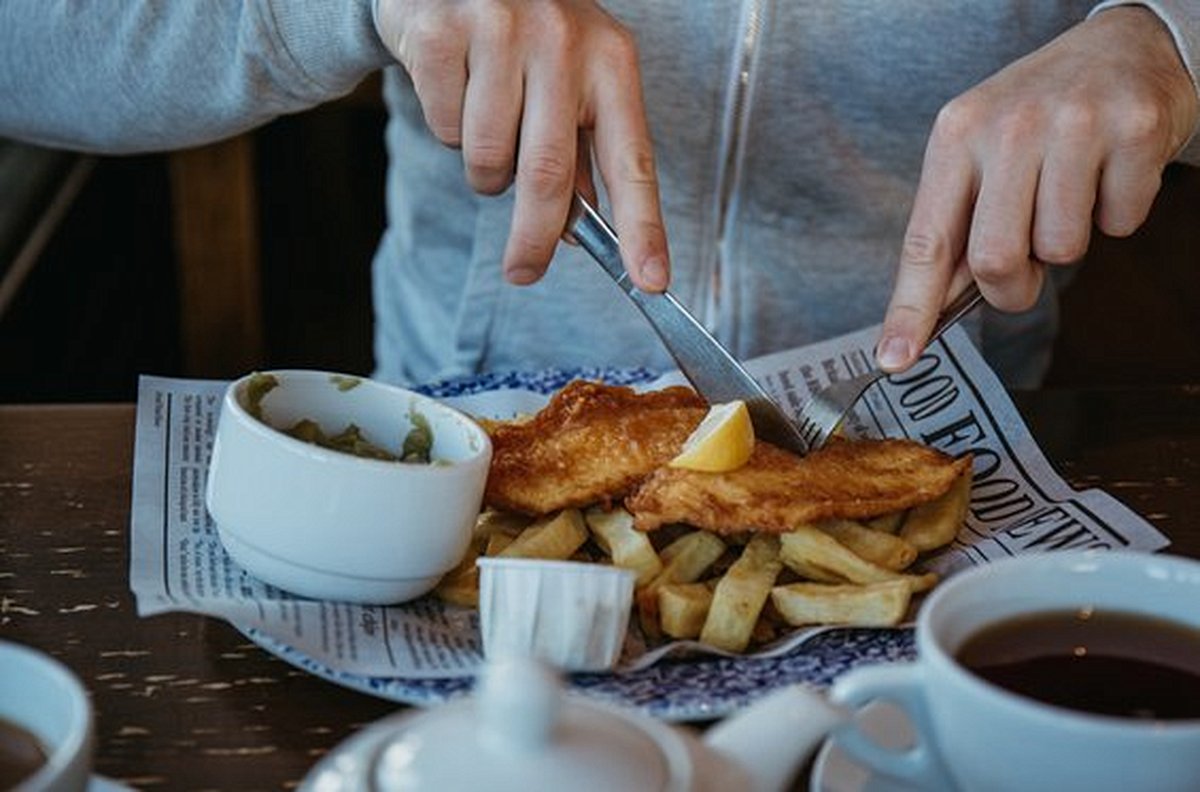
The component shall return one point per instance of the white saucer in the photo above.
(834, 771)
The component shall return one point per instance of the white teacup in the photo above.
(973, 734)
(44, 698)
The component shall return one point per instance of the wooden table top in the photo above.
(187, 702)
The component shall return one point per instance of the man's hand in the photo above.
(1018, 168)
(541, 77)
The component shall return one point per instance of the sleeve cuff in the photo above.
(1182, 18)
(333, 45)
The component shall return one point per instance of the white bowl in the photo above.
(330, 525)
(570, 614)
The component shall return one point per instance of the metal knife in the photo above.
(713, 371)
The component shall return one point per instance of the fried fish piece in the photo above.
(776, 490)
(592, 443)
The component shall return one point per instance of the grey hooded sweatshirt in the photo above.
(789, 136)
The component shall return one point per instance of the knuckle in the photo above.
(904, 313)
(1142, 123)
(488, 155)
(1060, 249)
(449, 133)
(618, 50)
(1059, 237)
(546, 172)
(556, 26)
(1017, 127)
(637, 167)
(1076, 120)
(958, 119)
(528, 251)
(442, 118)
(488, 182)
(1117, 223)
(496, 18)
(430, 67)
(990, 262)
(1123, 210)
(923, 250)
(421, 33)
(648, 233)
(432, 73)
(428, 44)
(976, 115)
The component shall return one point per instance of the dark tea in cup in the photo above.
(1093, 660)
(21, 754)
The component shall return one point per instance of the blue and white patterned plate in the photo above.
(675, 690)
(546, 381)
(697, 688)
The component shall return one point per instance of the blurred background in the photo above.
(255, 253)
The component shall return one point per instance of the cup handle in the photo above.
(899, 684)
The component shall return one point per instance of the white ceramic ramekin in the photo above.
(330, 525)
(573, 615)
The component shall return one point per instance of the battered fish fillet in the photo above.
(775, 490)
(593, 443)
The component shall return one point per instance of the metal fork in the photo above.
(822, 414)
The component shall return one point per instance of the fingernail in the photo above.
(522, 276)
(893, 352)
(654, 273)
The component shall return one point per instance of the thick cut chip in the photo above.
(684, 561)
(740, 595)
(683, 607)
(497, 542)
(777, 490)
(493, 532)
(491, 522)
(936, 523)
(888, 523)
(808, 547)
(592, 443)
(888, 551)
(554, 538)
(460, 586)
(872, 605)
(628, 548)
(810, 571)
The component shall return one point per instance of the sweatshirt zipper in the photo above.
(737, 109)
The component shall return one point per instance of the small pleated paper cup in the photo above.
(570, 614)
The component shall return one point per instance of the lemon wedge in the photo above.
(723, 440)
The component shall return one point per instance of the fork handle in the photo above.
(959, 307)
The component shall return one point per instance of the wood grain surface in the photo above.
(186, 702)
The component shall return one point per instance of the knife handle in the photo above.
(596, 236)
(713, 372)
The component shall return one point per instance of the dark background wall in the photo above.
(101, 305)
(1132, 317)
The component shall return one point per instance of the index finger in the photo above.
(933, 247)
(625, 156)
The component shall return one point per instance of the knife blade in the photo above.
(713, 371)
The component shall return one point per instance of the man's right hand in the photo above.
(495, 77)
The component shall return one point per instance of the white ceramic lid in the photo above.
(520, 732)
